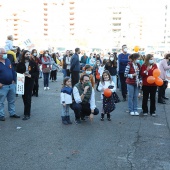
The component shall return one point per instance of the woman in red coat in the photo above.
(148, 89)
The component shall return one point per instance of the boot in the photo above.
(102, 117)
(68, 120)
(160, 100)
(64, 121)
(108, 117)
(36, 94)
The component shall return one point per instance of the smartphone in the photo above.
(111, 87)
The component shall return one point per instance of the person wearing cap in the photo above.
(7, 86)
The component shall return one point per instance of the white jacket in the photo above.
(65, 98)
(9, 45)
(105, 85)
(101, 70)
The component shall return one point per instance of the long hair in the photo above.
(114, 62)
(32, 52)
(106, 72)
(65, 80)
(23, 56)
(147, 58)
(54, 56)
(134, 56)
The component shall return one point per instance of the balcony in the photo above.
(45, 19)
(71, 8)
(45, 34)
(71, 24)
(16, 19)
(45, 4)
(71, 2)
(45, 14)
(45, 29)
(71, 19)
(116, 30)
(71, 13)
(45, 9)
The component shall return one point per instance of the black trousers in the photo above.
(149, 90)
(68, 72)
(53, 75)
(123, 84)
(82, 110)
(36, 86)
(74, 77)
(27, 95)
(161, 90)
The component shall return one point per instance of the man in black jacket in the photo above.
(75, 67)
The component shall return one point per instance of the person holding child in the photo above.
(106, 82)
(9, 47)
(66, 100)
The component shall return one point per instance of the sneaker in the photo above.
(124, 99)
(45, 88)
(2, 118)
(83, 119)
(153, 114)
(15, 116)
(145, 114)
(108, 119)
(48, 88)
(132, 113)
(25, 118)
(102, 119)
(77, 121)
(136, 114)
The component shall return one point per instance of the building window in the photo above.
(116, 24)
(116, 18)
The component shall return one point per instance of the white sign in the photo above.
(20, 84)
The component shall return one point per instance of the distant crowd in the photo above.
(131, 73)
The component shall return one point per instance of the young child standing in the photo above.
(66, 100)
(9, 47)
(106, 82)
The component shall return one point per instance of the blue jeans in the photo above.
(46, 79)
(8, 91)
(133, 91)
(114, 79)
(65, 110)
(64, 72)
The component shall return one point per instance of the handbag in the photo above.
(116, 97)
(46, 70)
(108, 104)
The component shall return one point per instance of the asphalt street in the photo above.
(44, 143)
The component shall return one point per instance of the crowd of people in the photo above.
(81, 77)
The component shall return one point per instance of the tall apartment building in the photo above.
(90, 23)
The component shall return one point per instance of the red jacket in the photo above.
(145, 76)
